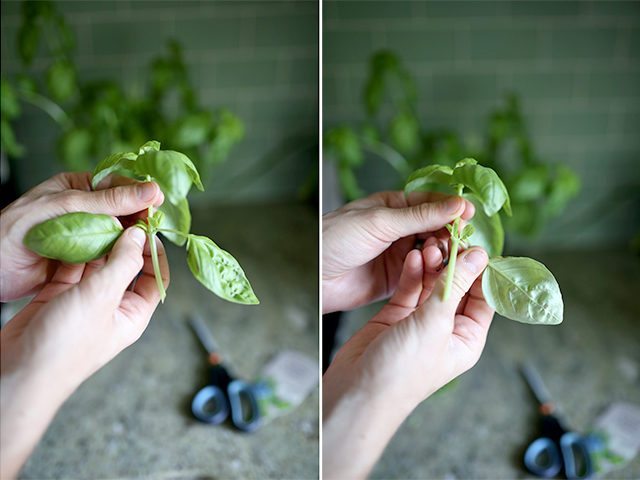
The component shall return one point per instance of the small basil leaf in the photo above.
(488, 233)
(168, 171)
(217, 270)
(522, 289)
(486, 185)
(404, 132)
(61, 80)
(149, 146)
(439, 174)
(466, 161)
(118, 163)
(77, 237)
(176, 217)
(467, 231)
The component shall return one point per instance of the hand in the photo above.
(366, 241)
(22, 272)
(400, 357)
(78, 322)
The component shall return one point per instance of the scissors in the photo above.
(225, 396)
(557, 448)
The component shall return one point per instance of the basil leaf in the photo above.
(118, 163)
(488, 233)
(440, 174)
(191, 168)
(217, 270)
(486, 185)
(467, 231)
(176, 217)
(77, 237)
(522, 289)
(61, 80)
(167, 171)
(151, 145)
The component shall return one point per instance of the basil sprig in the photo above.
(518, 288)
(81, 237)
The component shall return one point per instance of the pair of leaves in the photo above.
(482, 181)
(173, 171)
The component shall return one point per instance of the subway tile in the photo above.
(548, 9)
(574, 43)
(534, 86)
(614, 84)
(346, 47)
(504, 44)
(414, 44)
(287, 30)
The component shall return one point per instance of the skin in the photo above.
(50, 346)
(416, 344)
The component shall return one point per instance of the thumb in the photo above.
(120, 201)
(396, 223)
(469, 266)
(123, 264)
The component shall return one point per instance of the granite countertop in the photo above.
(132, 419)
(480, 426)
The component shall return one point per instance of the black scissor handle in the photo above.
(245, 410)
(542, 458)
(210, 405)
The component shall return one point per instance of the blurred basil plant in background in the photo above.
(392, 131)
(99, 117)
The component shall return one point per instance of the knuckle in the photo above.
(67, 200)
(111, 198)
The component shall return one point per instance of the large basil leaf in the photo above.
(217, 270)
(118, 163)
(488, 233)
(486, 185)
(77, 237)
(167, 170)
(522, 289)
(176, 217)
(440, 174)
(191, 168)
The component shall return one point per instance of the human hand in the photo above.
(78, 322)
(415, 345)
(366, 241)
(23, 272)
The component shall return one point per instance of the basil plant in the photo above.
(81, 237)
(518, 288)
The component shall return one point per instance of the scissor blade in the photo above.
(203, 334)
(534, 381)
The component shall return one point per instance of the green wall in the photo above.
(260, 59)
(575, 64)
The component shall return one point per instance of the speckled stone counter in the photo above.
(132, 420)
(480, 426)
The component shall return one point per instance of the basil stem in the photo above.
(453, 254)
(151, 232)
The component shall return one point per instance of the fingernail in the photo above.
(138, 236)
(475, 260)
(452, 205)
(146, 191)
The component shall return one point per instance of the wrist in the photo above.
(356, 429)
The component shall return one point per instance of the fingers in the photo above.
(394, 223)
(123, 264)
(410, 284)
(469, 267)
(117, 201)
(66, 276)
(476, 308)
(138, 305)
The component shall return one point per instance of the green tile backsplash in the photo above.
(575, 64)
(260, 59)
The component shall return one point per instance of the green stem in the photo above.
(50, 108)
(156, 266)
(154, 256)
(453, 254)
